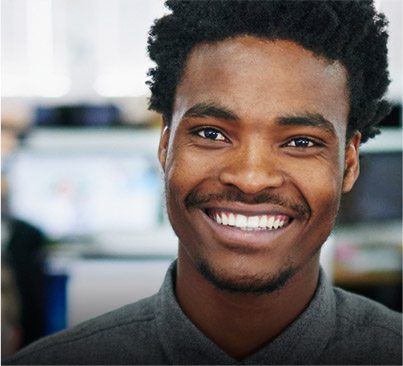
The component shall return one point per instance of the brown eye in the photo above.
(301, 142)
(211, 134)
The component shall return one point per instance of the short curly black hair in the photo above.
(352, 32)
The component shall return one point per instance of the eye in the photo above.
(301, 142)
(211, 134)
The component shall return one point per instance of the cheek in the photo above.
(184, 171)
(321, 186)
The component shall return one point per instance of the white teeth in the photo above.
(249, 222)
(241, 221)
(231, 219)
(253, 221)
(218, 218)
(263, 222)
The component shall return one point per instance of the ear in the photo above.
(351, 163)
(163, 145)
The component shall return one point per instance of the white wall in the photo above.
(64, 51)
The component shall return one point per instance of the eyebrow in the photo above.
(203, 110)
(308, 119)
(211, 109)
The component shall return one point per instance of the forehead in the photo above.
(259, 77)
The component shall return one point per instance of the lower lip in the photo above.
(254, 239)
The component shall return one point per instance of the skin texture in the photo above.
(252, 154)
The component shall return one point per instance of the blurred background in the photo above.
(84, 229)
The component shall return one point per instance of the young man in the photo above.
(265, 104)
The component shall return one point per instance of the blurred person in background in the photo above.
(264, 105)
(11, 331)
(23, 253)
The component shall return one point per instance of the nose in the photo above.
(253, 168)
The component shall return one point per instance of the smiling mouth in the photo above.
(261, 222)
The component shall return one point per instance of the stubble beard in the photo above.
(258, 284)
(254, 284)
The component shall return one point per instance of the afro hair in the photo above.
(351, 32)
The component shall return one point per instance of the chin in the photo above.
(236, 281)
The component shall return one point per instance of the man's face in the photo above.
(255, 160)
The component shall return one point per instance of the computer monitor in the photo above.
(377, 194)
(76, 194)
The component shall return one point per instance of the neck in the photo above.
(242, 323)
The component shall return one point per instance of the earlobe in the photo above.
(352, 163)
(163, 144)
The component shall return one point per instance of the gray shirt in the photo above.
(337, 327)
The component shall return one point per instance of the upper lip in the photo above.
(248, 209)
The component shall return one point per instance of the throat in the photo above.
(240, 324)
(234, 324)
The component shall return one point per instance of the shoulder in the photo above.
(355, 311)
(108, 339)
(365, 329)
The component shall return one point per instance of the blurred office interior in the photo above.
(84, 229)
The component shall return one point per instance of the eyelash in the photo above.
(200, 131)
(310, 142)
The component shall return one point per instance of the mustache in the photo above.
(195, 199)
